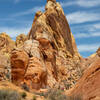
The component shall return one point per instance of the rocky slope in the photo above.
(89, 85)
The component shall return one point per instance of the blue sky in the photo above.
(16, 16)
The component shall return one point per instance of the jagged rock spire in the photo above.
(51, 0)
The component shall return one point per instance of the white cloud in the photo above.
(96, 26)
(13, 32)
(82, 3)
(29, 11)
(88, 47)
(88, 3)
(16, 1)
(82, 17)
(65, 4)
(87, 35)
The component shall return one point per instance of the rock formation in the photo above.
(53, 26)
(48, 57)
(6, 46)
(52, 51)
(52, 1)
(6, 43)
(19, 63)
(86, 62)
(20, 40)
(36, 75)
(89, 85)
(4, 67)
(98, 52)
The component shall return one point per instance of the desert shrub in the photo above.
(23, 95)
(67, 85)
(34, 98)
(8, 75)
(40, 94)
(55, 94)
(9, 95)
(25, 87)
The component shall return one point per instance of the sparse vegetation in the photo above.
(34, 97)
(9, 95)
(25, 87)
(23, 95)
(67, 84)
(55, 94)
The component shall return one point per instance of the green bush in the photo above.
(34, 97)
(9, 95)
(40, 94)
(23, 94)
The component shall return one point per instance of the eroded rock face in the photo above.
(98, 52)
(52, 31)
(51, 0)
(6, 43)
(36, 74)
(5, 67)
(6, 46)
(53, 55)
(88, 86)
(20, 40)
(19, 63)
(32, 48)
(53, 26)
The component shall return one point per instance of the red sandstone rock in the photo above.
(36, 74)
(19, 63)
(89, 85)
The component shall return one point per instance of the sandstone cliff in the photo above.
(53, 59)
